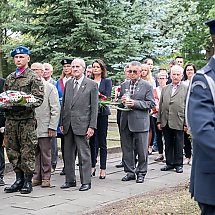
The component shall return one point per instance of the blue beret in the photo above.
(211, 25)
(20, 50)
(66, 61)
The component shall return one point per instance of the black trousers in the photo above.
(159, 136)
(2, 159)
(207, 209)
(187, 146)
(174, 143)
(98, 142)
(61, 136)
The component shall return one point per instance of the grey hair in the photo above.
(177, 67)
(81, 61)
(49, 65)
(39, 65)
(135, 63)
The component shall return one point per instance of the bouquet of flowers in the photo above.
(11, 98)
(105, 101)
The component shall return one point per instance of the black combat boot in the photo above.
(17, 185)
(27, 187)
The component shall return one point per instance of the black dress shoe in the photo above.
(120, 165)
(140, 179)
(68, 185)
(179, 169)
(85, 187)
(128, 177)
(62, 173)
(167, 168)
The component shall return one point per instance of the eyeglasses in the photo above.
(161, 78)
(132, 71)
(36, 69)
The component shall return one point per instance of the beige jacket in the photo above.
(172, 107)
(47, 115)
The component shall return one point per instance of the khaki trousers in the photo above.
(43, 159)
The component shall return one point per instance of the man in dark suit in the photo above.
(134, 124)
(78, 121)
(201, 119)
(2, 125)
(171, 119)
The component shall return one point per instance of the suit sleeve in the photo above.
(62, 106)
(54, 108)
(201, 117)
(146, 104)
(94, 106)
(108, 87)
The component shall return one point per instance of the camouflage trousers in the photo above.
(21, 141)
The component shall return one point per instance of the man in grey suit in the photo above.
(171, 119)
(78, 121)
(134, 124)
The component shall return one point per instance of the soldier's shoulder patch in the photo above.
(198, 83)
(41, 88)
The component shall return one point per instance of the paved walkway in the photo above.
(53, 201)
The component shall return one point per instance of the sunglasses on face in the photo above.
(132, 71)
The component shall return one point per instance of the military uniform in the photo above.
(201, 120)
(20, 133)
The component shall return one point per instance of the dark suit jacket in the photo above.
(138, 118)
(172, 107)
(201, 118)
(80, 111)
(105, 89)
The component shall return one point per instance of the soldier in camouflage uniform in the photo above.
(20, 126)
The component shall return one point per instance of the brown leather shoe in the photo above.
(36, 182)
(45, 183)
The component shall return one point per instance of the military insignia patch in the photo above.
(198, 83)
(41, 88)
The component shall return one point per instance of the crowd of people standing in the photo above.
(69, 110)
(152, 114)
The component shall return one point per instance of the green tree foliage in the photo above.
(114, 30)
(87, 29)
(197, 41)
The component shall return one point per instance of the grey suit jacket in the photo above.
(172, 107)
(81, 111)
(138, 118)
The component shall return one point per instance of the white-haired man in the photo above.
(171, 119)
(78, 120)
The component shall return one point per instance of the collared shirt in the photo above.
(175, 87)
(133, 86)
(20, 71)
(65, 79)
(79, 81)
